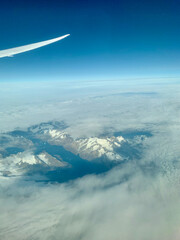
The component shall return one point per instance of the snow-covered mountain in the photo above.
(87, 148)
(17, 164)
(49, 146)
(94, 147)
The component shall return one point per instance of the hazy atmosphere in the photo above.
(89, 125)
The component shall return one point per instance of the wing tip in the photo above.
(67, 35)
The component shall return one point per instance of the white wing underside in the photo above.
(13, 51)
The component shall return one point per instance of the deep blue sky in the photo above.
(109, 39)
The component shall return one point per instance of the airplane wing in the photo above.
(13, 51)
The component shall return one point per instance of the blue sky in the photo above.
(109, 39)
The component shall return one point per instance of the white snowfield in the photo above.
(13, 51)
(56, 134)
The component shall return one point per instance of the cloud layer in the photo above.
(135, 201)
(96, 207)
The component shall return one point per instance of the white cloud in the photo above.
(87, 108)
(136, 201)
(93, 208)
